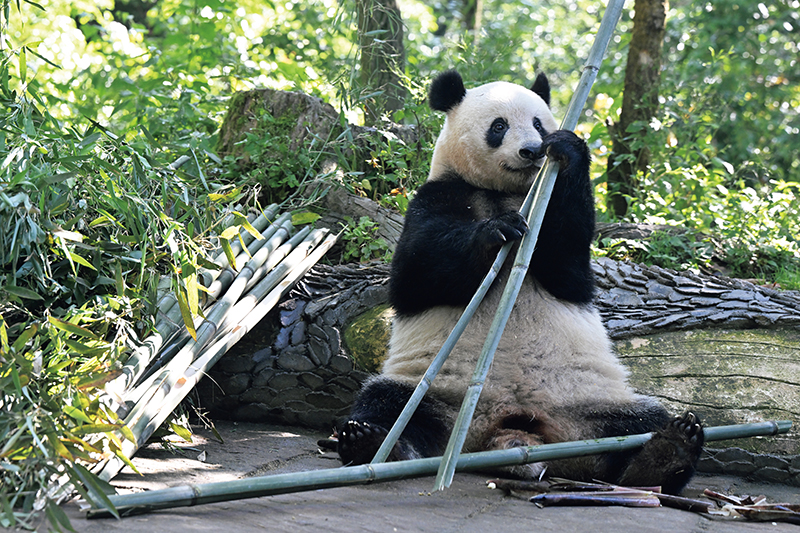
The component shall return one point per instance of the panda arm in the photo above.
(561, 262)
(446, 247)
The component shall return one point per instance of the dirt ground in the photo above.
(406, 505)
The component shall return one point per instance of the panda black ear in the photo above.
(542, 87)
(447, 90)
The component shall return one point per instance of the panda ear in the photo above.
(446, 92)
(542, 87)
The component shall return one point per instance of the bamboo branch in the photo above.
(188, 495)
(541, 191)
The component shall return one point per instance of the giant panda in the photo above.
(554, 377)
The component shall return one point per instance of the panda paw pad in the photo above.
(686, 428)
(358, 441)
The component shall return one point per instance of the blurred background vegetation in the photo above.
(100, 98)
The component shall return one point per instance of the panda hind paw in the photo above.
(358, 441)
(686, 429)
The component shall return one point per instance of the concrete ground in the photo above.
(407, 505)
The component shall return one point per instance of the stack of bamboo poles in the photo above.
(271, 257)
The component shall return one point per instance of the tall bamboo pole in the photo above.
(541, 191)
(188, 495)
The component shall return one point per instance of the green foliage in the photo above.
(361, 243)
(97, 103)
(271, 162)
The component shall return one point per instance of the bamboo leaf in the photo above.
(306, 217)
(186, 315)
(89, 429)
(56, 515)
(89, 351)
(229, 255)
(22, 292)
(77, 414)
(59, 447)
(247, 225)
(71, 328)
(24, 337)
(97, 488)
(181, 431)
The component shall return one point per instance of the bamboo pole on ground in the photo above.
(179, 382)
(541, 190)
(189, 495)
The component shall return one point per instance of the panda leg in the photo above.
(669, 458)
(377, 407)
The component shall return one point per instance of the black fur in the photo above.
(542, 87)
(377, 407)
(447, 246)
(447, 90)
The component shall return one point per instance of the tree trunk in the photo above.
(639, 103)
(383, 57)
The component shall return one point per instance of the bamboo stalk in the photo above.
(177, 387)
(273, 238)
(259, 223)
(149, 394)
(541, 191)
(188, 495)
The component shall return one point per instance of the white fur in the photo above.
(461, 146)
(552, 355)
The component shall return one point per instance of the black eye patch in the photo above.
(496, 132)
(537, 124)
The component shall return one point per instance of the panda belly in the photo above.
(554, 357)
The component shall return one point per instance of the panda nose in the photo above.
(531, 152)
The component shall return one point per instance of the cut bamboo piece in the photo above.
(259, 223)
(151, 391)
(541, 191)
(274, 238)
(176, 386)
(254, 487)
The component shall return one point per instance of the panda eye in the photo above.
(498, 126)
(538, 125)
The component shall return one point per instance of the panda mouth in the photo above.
(527, 168)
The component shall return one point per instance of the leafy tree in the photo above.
(639, 104)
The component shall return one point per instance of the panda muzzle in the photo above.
(531, 152)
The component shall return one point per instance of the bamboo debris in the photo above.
(270, 265)
(541, 191)
(245, 238)
(169, 321)
(178, 382)
(187, 495)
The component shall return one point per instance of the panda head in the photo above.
(492, 135)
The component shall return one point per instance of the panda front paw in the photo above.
(565, 148)
(503, 228)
